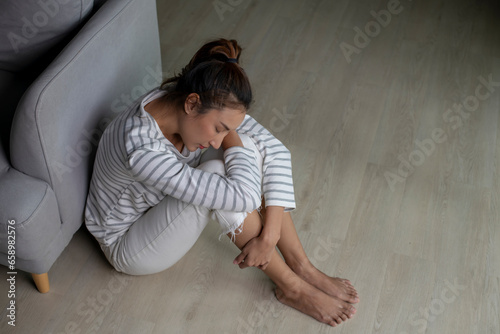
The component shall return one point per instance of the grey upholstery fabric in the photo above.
(30, 28)
(58, 123)
(32, 33)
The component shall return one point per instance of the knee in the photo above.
(229, 221)
(247, 142)
(250, 144)
(215, 166)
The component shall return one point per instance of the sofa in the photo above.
(67, 68)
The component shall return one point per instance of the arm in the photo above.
(231, 140)
(277, 180)
(259, 250)
(277, 177)
(271, 231)
(237, 191)
(278, 194)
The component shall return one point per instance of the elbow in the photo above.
(287, 153)
(256, 202)
(253, 195)
(253, 200)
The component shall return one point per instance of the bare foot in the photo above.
(315, 303)
(334, 286)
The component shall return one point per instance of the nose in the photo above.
(215, 145)
(216, 142)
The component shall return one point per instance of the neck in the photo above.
(167, 117)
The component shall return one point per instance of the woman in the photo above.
(187, 153)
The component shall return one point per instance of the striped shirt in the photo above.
(136, 167)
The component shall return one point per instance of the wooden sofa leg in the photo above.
(41, 282)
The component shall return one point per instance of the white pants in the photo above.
(167, 231)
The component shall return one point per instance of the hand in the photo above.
(256, 253)
(231, 139)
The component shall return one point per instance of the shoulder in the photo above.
(251, 127)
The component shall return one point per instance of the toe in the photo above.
(338, 320)
(347, 282)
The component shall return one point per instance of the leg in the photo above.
(158, 239)
(292, 290)
(162, 236)
(41, 282)
(295, 256)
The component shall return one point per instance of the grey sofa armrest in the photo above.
(59, 120)
(31, 206)
(113, 59)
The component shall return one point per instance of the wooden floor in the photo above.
(394, 134)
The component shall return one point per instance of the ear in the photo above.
(191, 103)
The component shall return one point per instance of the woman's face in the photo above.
(203, 130)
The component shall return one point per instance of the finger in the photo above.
(240, 258)
(243, 265)
(264, 265)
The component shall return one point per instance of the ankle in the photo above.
(302, 268)
(291, 287)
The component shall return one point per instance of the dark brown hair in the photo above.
(215, 75)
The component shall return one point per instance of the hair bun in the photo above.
(221, 50)
(209, 75)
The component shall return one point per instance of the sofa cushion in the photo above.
(59, 120)
(30, 28)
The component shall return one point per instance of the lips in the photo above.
(201, 147)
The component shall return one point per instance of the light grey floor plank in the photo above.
(393, 191)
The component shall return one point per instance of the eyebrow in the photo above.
(225, 126)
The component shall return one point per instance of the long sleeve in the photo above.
(277, 183)
(239, 190)
(136, 167)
